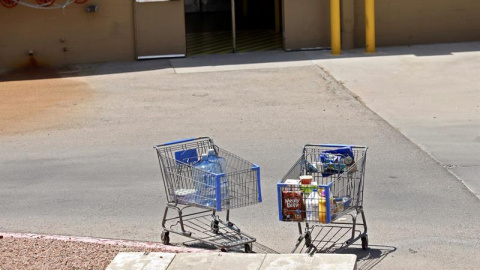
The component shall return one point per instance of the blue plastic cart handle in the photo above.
(179, 141)
(337, 145)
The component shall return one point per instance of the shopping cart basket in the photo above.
(329, 200)
(204, 193)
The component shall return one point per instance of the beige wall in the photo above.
(406, 22)
(160, 28)
(398, 22)
(306, 24)
(106, 35)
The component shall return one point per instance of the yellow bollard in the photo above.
(335, 27)
(370, 26)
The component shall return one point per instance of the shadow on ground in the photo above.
(371, 257)
(37, 71)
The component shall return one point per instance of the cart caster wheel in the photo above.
(365, 242)
(165, 238)
(214, 226)
(233, 227)
(248, 248)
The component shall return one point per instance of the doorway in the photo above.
(226, 26)
(208, 25)
(258, 25)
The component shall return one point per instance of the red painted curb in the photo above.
(102, 241)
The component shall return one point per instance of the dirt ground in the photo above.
(38, 253)
(31, 105)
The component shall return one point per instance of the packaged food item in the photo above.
(292, 182)
(307, 189)
(311, 167)
(322, 209)
(323, 206)
(339, 205)
(332, 206)
(336, 161)
(306, 179)
(293, 208)
(346, 201)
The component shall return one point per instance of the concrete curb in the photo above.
(103, 241)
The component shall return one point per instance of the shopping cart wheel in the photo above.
(214, 226)
(365, 242)
(248, 248)
(233, 227)
(165, 238)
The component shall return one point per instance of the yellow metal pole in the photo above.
(335, 26)
(370, 26)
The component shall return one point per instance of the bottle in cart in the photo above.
(222, 166)
(322, 208)
(205, 182)
(312, 204)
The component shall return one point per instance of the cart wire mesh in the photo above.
(184, 184)
(343, 191)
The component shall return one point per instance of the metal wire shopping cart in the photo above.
(329, 200)
(204, 193)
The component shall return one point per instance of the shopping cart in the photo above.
(330, 204)
(196, 195)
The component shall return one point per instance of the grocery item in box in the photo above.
(339, 205)
(293, 208)
(307, 189)
(292, 182)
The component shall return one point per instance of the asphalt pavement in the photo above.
(93, 172)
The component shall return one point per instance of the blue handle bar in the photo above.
(337, 145)
(179, 141)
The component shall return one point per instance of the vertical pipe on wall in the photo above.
(370, 26)
(335, 26)
(234, 28)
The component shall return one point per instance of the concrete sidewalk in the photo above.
(231, 261)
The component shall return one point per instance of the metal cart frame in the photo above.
(238, 187)
(334, 234)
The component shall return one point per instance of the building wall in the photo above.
(306, 24)
(398, 22)
(407, 22)
(61, 37)
(160, 28)
(69, 36)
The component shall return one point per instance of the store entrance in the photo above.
(208, 26)
(226, 26)
(258, 25)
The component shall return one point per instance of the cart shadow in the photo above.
(369, 258)
(257, 247)
(366, 259)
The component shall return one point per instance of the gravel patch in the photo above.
(39, 252)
